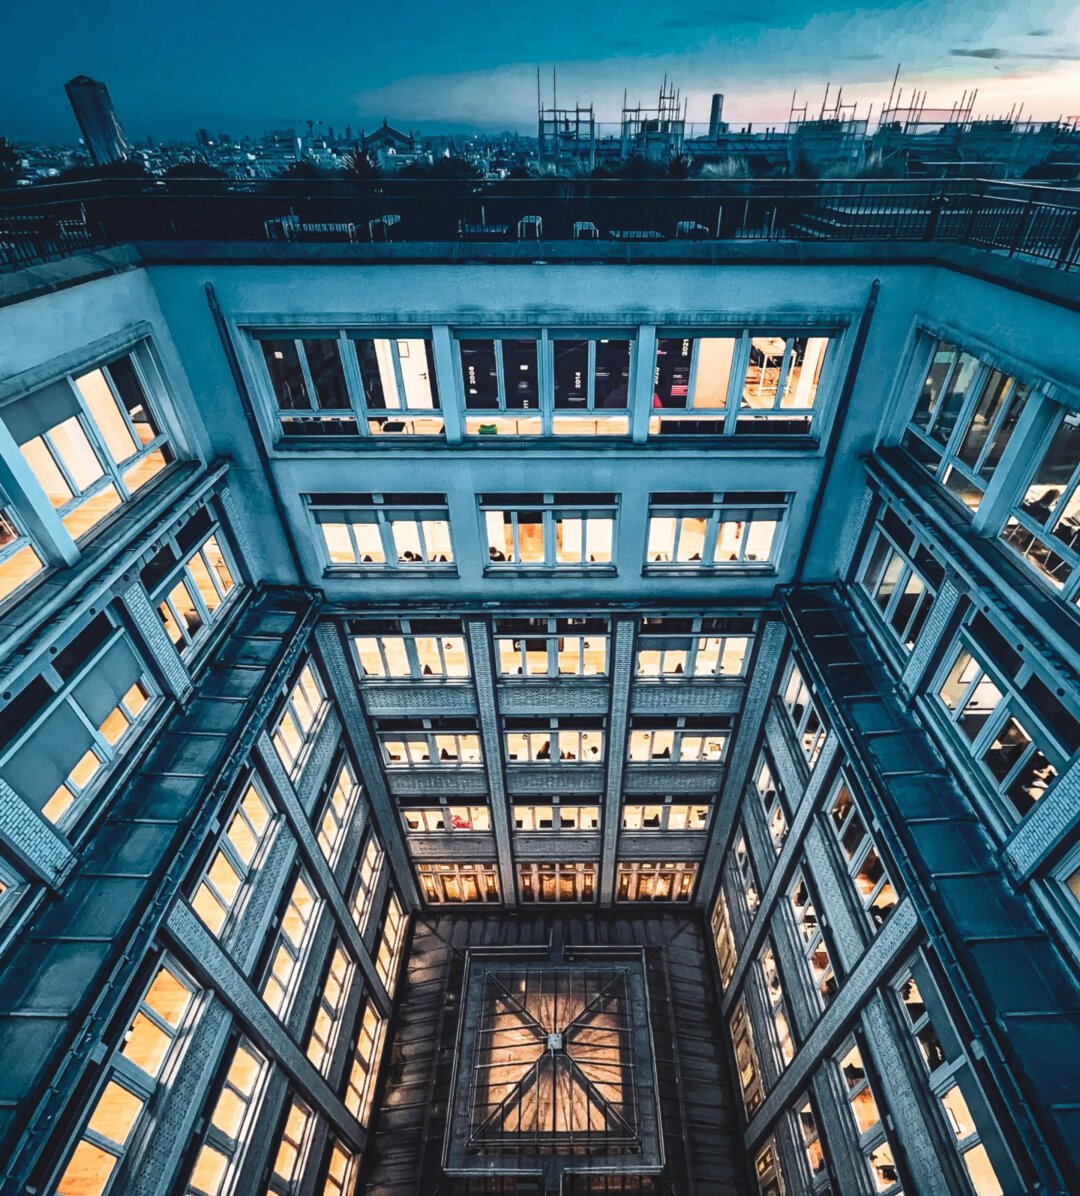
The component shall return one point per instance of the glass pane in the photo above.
(520, 377)
(571, 360)
(324, 363)
(612, 374)
(417, 374)
(87, 1173)
(105, 411)
(46, 471)
(286, 376)
(71, 443)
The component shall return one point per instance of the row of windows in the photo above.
(687, 531)
(684, 647)
(568, 817)
(557, 881)
(544, 384)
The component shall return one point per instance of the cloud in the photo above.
(1040, 33)
(989, 52)
(1017, 55)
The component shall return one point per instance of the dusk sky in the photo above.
(245, 65)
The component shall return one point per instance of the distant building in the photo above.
(98, 122)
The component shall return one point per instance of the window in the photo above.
(767, 1171)
(1044, 525)
(427, 819)
(808, 926)
(91, 441)
(394, 927)
(12, 886)
(294, 1142)
(544, 385)
(779, 1023)
(694, 646)
(383, 531)
(664, 880)
(567, 647)
(144, 1060)
(549, 531)
(773, 802)
(360, 1088)
(220, 892)
(345, 385)
(189, 580)
(341, 1172)
(416, 649)
(746, 1061)
(810, 730)
(549, 882)
(456, 884)
(692, 532)
(365, 880)
(1006, 717)
(300, 721)
(692, 739)
(429, 743)
(567, 819)
(671, 816)
(964, 417)
(290, 945)
(553, 741)
(228, 1132)
(726, 955)
(808, 1136)
(900, 576)
(764, 384)
(337, 813)
(868, 874)
(873, 1145)
(329, 1011)
(63, 733)
(948, 1075)
(20, 562)
(744, 876)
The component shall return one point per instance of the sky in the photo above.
(242, 66)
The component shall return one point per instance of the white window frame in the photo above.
(717, 512)
(549, 511)
(405, 637)
(382, 511)
(515, 638)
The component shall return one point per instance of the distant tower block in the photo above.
(98, 122)
(716, 116)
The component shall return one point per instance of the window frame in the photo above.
(552, 730)
(443, 808)
(21, 542)
(437, 878)
(809, 751)
(381, 510)
(551, 508)
(638, 881)
(696, 648)
(854, 859)
(180, 574)
(294, 762)
(554, 631)
(433, 735)
(532, 878)
(685, 731)
(666, 806)
(883, 552)
(876, 1136)
(816, 977)
(410, 631)
(298, 952)
(717, 511)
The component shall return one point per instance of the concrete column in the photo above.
(622, 675)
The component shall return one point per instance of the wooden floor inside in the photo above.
(702, 1141)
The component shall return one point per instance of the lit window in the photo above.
(557, 882)
(873, 1144)
(91, 442)
(773, 802)
(664, 880)
(501, 380)
(1043, 527)
(809, 1137)
(360, 1088)
(428, 819)
(12, 886)
(383, 531)
(746, 1060)
(964, 417)
(337, 813)
(458, 884)
(341, 1172)
(429, 743)
(671, 816)
(808, 926)
(810, 730)
(549, 531)
(290, 946)
(691, 385)
(726, 955)
(678, 740)
(767, 1171)
(294, 1142)
(553, 741)
(868, 874)
(219, 893)
(154, 1038)
(300, 721)
(348, 385)
(192, 599)
(744, 875)
(395, 924)
(329, 1011)
(417, 649)
(692, 532)
(567, 647)
(19, 559)
(1006, 717)
(780, 1023)
(900, 576)
(217, 1165)
(592, 379)
(365, 881)
(63, 733)
(696, 646)
(567, 819)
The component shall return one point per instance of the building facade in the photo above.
(345, 586)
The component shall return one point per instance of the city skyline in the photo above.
(475, 65)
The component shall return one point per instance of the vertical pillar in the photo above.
(622, 674)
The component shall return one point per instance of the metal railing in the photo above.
(1038, 223)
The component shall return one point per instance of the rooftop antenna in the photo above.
(895, 80)
(824, 100)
